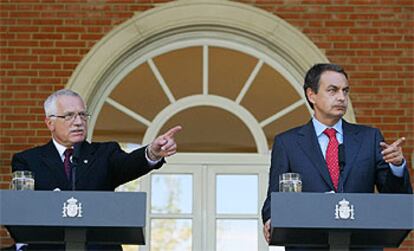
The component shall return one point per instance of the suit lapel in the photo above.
(352, 145)
(52, 161)
(313, 151)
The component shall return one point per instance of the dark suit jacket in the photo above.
(101, 167)
(297, 150)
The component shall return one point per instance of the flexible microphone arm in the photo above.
(341, 157)
(75, 163)
(341, 160)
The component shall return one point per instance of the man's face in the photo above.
(68, 132)
(331, 101)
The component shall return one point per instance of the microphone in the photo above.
(75, 162)
(341, 160)
(341, 157)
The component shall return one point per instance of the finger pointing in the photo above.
(399, 142)
(172, 131)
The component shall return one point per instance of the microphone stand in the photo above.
(341, 160)
(75, 162)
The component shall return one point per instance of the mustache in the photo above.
(80, 129)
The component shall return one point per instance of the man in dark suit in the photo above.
(313, 152)
(69, 162)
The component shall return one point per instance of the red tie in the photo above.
(66, 163)
(332, 156)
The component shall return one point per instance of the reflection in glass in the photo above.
(240, 235)
(237, 194)
(171, 235)
(171, 193)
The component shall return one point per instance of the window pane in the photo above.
(237, 194)
(130, 248)
(276, 248)
(171, 193)
(237, 235)
(171, 235)
(233, 136)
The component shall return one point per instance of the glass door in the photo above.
(205, 207)
(235, 207)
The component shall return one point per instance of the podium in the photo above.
(74, 218)
(339, 221)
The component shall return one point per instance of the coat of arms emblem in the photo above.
(344, 210)
(71, 208)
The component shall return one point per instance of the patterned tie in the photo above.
(332, 156)
(66, 163)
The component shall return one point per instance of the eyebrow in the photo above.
(337, 87)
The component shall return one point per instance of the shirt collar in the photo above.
(319, 127)
(60, 148)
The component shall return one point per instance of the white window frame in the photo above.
(204, 168)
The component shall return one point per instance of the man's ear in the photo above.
(310, 95)
(50, 123)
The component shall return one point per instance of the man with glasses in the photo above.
(69, 162)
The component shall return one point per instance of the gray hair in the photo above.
(50, 102)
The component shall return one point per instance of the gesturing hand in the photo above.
(164, 145)
(393, 153)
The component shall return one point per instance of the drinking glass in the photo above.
(290, 182)
(22, 180)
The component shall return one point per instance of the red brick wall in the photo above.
(42, 41)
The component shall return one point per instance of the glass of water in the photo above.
(22, 180)
(290, 182)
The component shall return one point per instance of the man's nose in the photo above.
(77, 120)
(341, 95)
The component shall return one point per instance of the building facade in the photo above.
(229, 71)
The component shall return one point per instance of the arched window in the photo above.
(232, 76)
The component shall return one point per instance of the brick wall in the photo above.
(42, 41)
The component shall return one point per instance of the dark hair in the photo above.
(314, 74)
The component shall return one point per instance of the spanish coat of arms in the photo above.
(344, 210)
(71, 208)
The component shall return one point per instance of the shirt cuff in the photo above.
(151, 162)
(398, 170)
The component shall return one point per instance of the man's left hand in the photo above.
(393, 153)
(164, 145)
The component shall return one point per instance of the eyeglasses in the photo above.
(71, 116)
